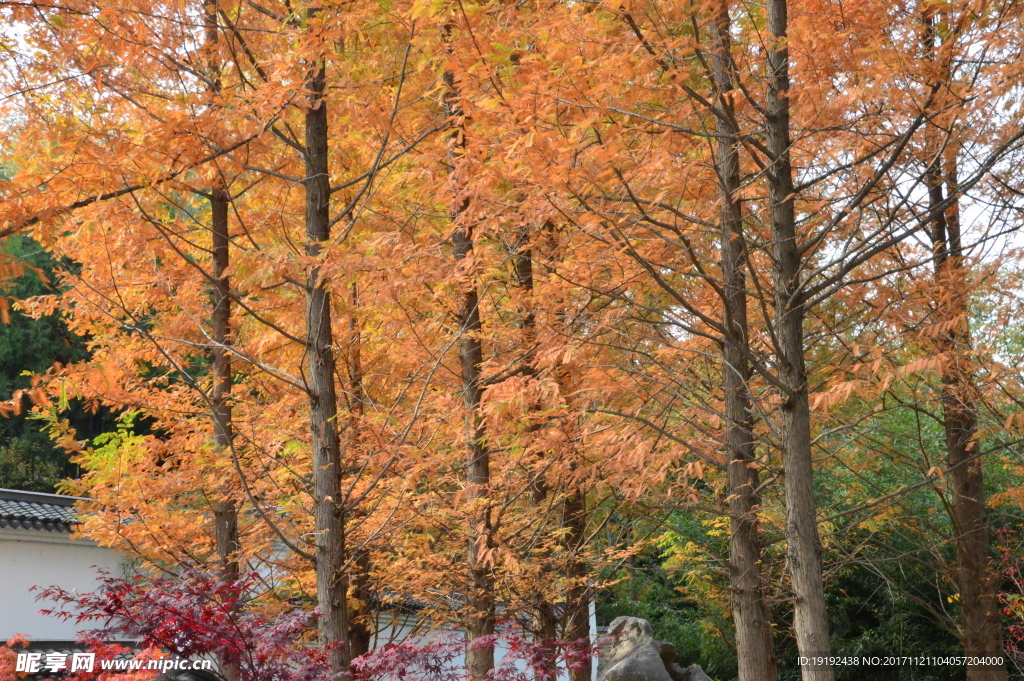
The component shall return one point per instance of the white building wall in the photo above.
(403, 628)
(40, 558)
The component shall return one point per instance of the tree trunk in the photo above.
(979, 601)
(329, 510)
(360, 631)
(810, 622)
(225, 510)
(225, 513)
(480, 591)
(755, 650)
(576, 609)
(479, 619)
(545, 617)
(360, 620)
(577, 598)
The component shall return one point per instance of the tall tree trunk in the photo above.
(803, 550)
(225, 510)
(576, 608)
(479, 619)
(545, 616)
(329, 509)
(577, 598)
(480, 591)
(755, 650)
(225, 513)
(360, 617)
(979, 602)
(978, 584)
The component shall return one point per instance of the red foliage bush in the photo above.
(199, 615)
(195, 615)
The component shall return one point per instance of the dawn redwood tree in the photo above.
(480, 596)
(819, 179)
(754, 636)
(521, 251)
(342, 471)
(978, 584)
(510, 363)
(260, 73)
(567, 559)
(797, 258)
(329, 506)
(488, 408)
(225, 512)
(142, 104)
(803, 547)
(981, 624)
(225, 508)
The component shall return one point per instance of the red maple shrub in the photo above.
(199, 615)
(194, 615)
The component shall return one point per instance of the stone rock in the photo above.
(694, 672)
(636, 656)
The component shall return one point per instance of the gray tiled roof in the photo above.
(37, 511)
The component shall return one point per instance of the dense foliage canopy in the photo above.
(706, 310)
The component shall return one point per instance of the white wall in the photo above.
(401, 628)
(39, 558)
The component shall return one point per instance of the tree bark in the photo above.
(545, 617)
(810, 621)
(576, 609)
(329, 510)
(480, 594)
(480, 587)
(360, 620)
(479, 619)
(577, 599)
(225, 510)
(755, 650)
(982, 632)
(225, 513)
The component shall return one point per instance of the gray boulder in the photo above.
(668, 657)
(636, 656)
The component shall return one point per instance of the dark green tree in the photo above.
(29, 460)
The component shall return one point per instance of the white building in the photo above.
(36, 550)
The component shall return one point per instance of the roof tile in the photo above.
(37, 511)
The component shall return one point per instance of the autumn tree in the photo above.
(244, 98)
(468, 299)
(815, 224)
